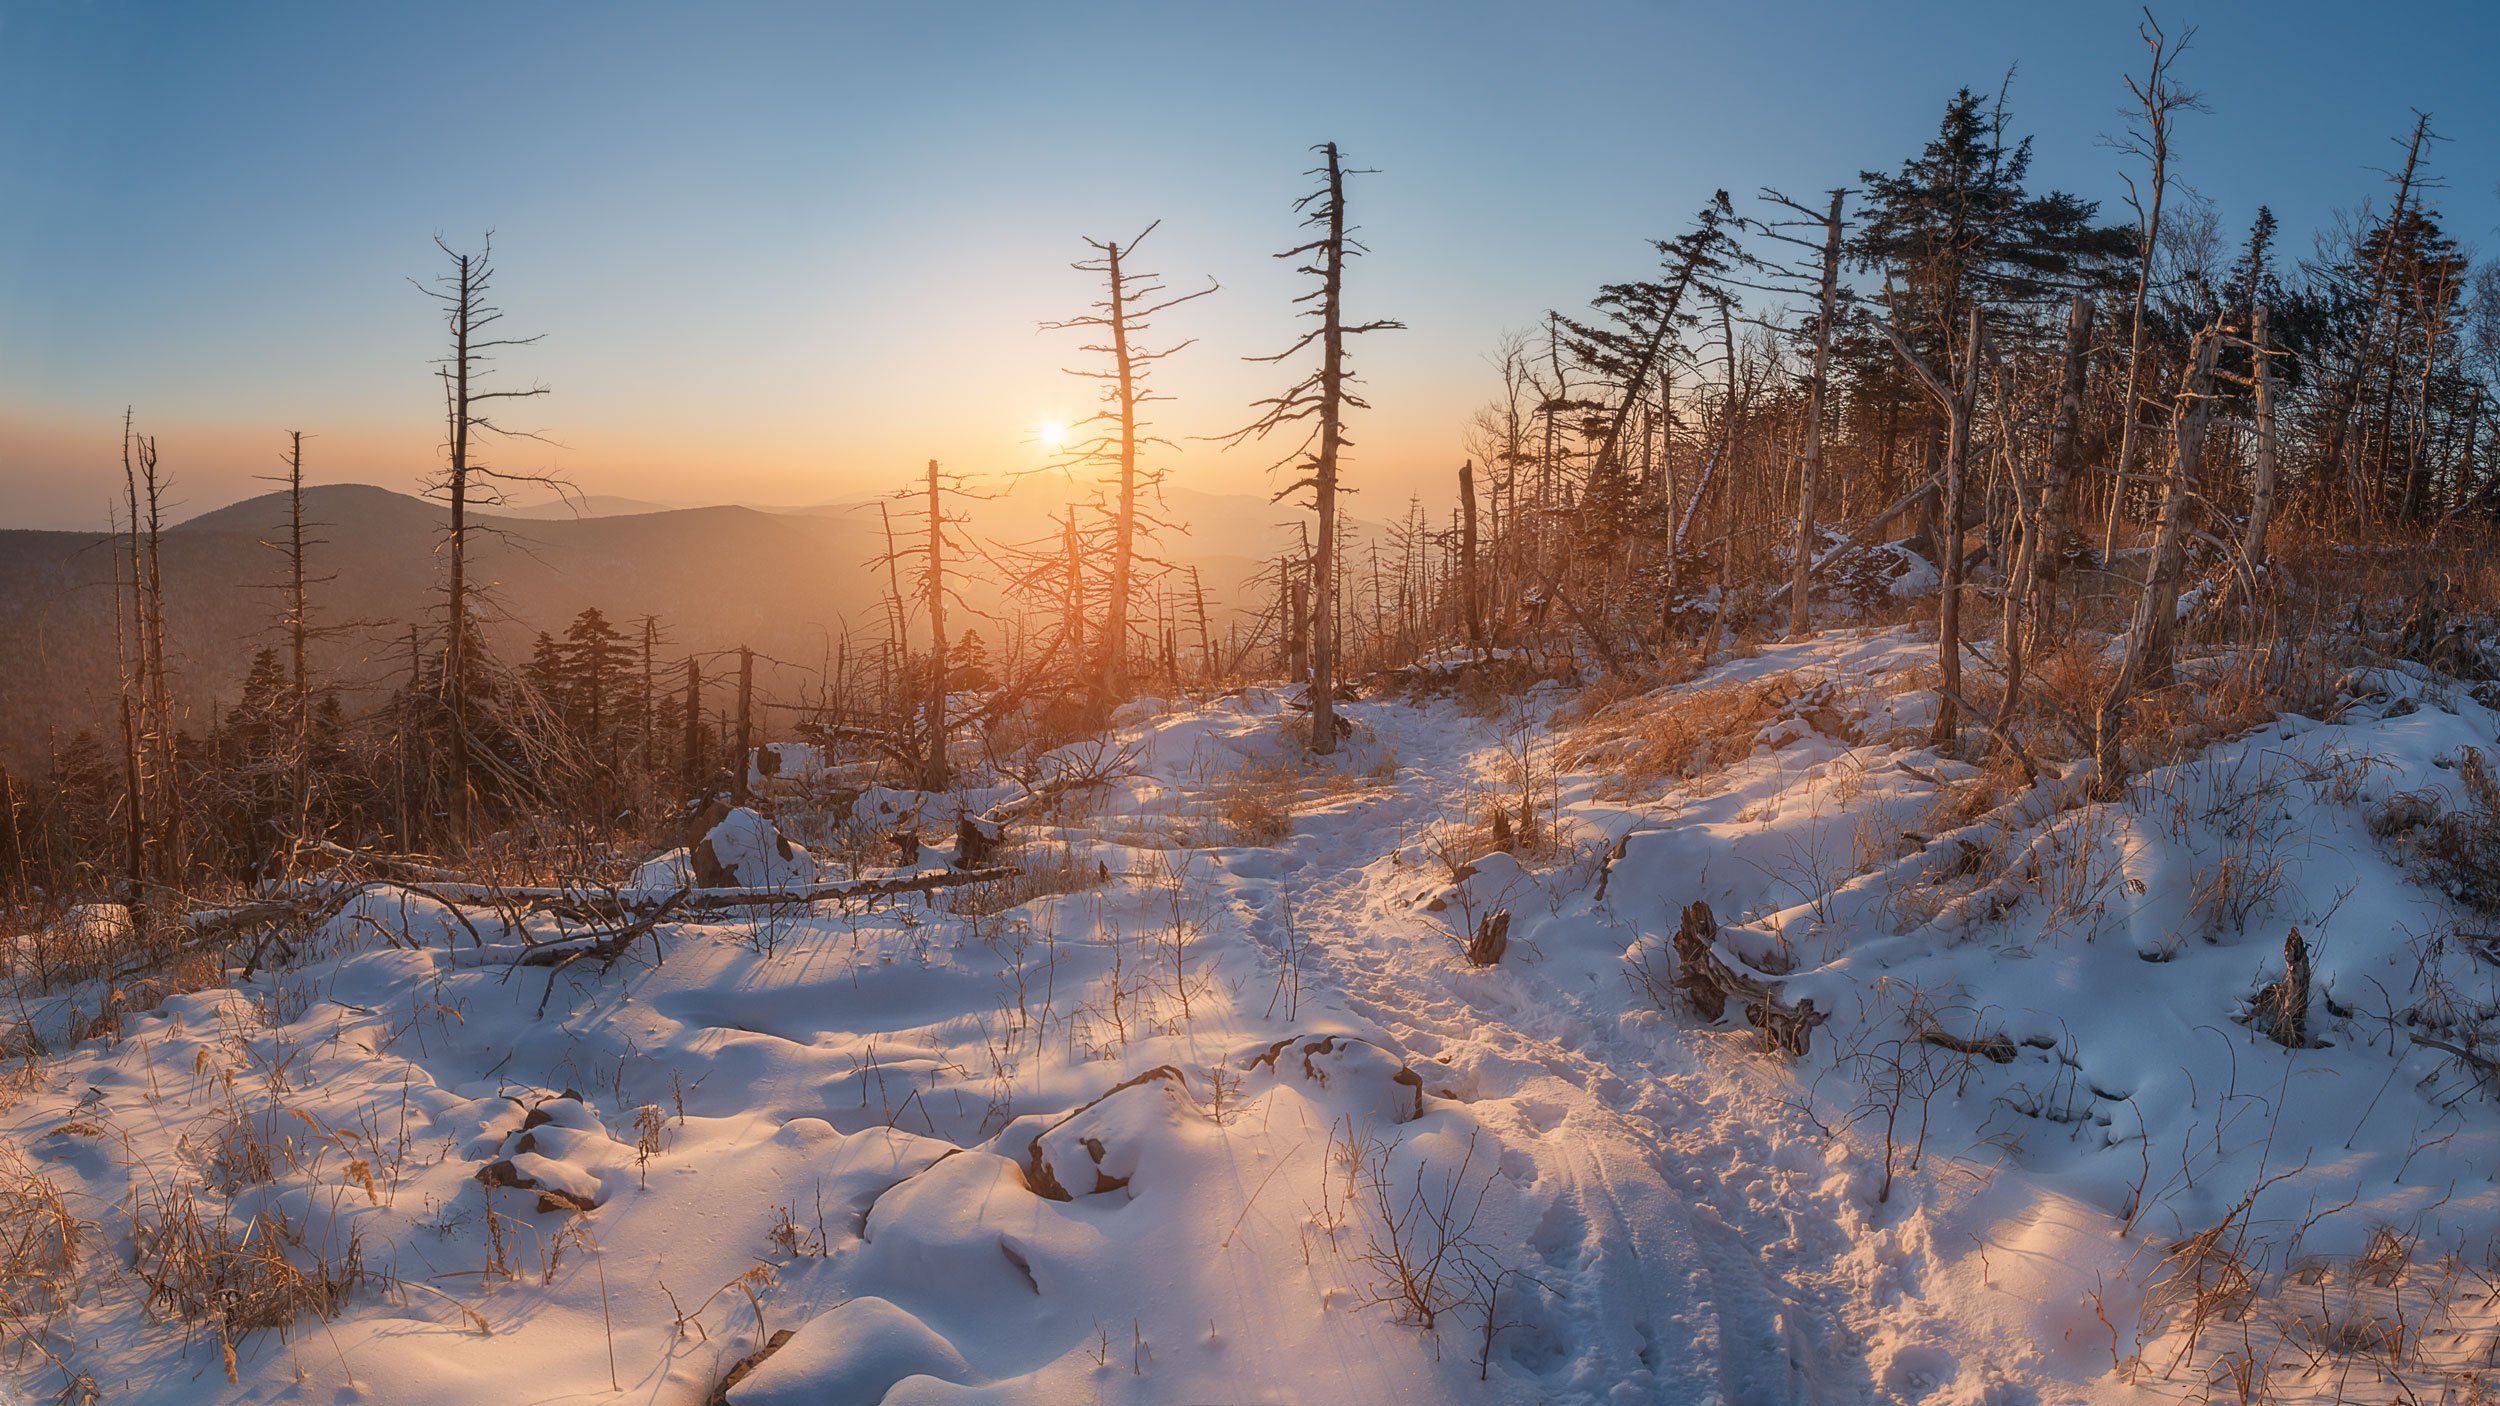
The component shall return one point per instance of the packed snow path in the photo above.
(1697, 1291)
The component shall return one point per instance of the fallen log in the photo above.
(392, 866)
(618, 903)
(603, 949)
(1859, 540)
(1708, 980)
(1996, 1049)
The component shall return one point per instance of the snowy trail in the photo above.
(1676, 1288)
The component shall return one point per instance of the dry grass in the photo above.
(200, 1267)
(2455, 847)
(1042, 871)
(1252, 806)
(1653, 739)
(39, 1243)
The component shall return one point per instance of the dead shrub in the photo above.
(199, 1267)
(39, 1242)
(2457, 848)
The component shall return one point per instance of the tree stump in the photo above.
(977, 841)
(2282, 1009)
(1492, 938)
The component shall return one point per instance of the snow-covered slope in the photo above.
(1237, 1122)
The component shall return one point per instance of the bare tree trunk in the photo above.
(1323, 689)
(171, 858)
(746, 724)
(456, 590)
(2152, 632)
(1206, 642)
(1810, 464)
(2057, 494)
(693, 760)
(132, 655)
(1472, 587)
(1298, 621)
(2156, 99)
(650, 699)
(1124, 523)
(933, 774)
(1073, 611)
(2261, 498)
(1949, 537)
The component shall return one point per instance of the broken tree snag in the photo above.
(1492, 938)
(1708, 980)
(2282, 1008)
(978, 838)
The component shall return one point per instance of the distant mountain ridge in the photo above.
(715, 577)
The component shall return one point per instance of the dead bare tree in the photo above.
(1960, 404)
(2158, 98)
(937, 543)
(2261, 491)
(2153, 629)
(1118, 432)
(466, 479)
(1320, 399)
(1830, 231)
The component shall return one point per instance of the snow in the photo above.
(1146, 1141)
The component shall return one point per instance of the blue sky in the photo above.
(784, 253)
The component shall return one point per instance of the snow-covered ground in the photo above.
(1239, 1122)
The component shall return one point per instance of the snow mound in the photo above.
(856, 1352)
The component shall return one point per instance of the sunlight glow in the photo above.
(1053, 434)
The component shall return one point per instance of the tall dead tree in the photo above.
(1960, 405)
(741, 764)
(2152, 631)
(2157, 99)
(2378, 294)
(693, 720)
(158, 733)
(1118, 433)
(295, 624)
(2057, 493)
(1818, 389)
(466, 480)
(1471, 585)
(129, 634)
(2261, 490)
(933, 756)
(935, 546)
(1647, 317)
(1320, 400)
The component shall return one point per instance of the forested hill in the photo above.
(783, 582)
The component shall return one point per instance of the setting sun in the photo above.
(1053, 434)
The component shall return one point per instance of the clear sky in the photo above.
(783, 253)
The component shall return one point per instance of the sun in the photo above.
(1053, 434)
